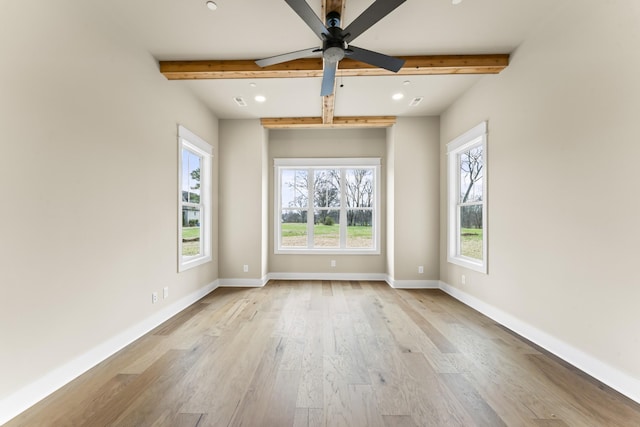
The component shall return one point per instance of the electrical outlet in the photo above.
(333, 263)
(420, 269)
(463, 280)
(165, 292)
(245, 268)
(154, 297)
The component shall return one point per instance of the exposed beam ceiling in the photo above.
(312, 67)
(317, 122)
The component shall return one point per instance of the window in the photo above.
(327, 206)
(467, 227)
(194, 207)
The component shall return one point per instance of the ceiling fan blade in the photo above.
(302, 8)
(272, 60)
(328, 78)
(378, 10)
(374, 58)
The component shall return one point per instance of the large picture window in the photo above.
(194, 214)
(467, 226)
(327, 205)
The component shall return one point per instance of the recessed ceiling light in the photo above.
(212, 5)
(456, 1)
(260, 98)
(252, 84)
(406, 82)
(397, 96)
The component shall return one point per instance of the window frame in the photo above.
(312, 164)
(189, 141)
(475, 137)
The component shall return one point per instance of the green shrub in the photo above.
(328, 221)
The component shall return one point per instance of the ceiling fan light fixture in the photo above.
(211, 5)
(333, 54)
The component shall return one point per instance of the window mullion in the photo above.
(202, 229)
(278, 219)
(459, 231)
(343, 209)
(310, 208)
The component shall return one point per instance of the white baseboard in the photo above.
(31, 394)
(328, 276)
(412, 284)
(381, 277)
(243, 283)
(614, 378)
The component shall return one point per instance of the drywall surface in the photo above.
(562, 181)
(241, 199)
(89, 185)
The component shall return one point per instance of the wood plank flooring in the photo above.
(331, 353)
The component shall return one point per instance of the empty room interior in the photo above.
(227, 213)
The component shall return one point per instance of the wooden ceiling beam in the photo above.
(312, 67)
(332, 6)
(338, 122)
(328, 108)
(329, 101)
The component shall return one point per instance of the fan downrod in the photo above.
(333, 19)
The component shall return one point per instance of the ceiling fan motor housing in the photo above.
(333, 46)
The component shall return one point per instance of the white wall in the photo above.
(415, 204)
(562, 192)
(242, 150)
(328, 143)
(409, 153)
(88, 183)
(390, 201)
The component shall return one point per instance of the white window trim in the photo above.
(474, 137)
(298, 163)
(192, 142)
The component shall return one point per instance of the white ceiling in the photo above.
(254, 29)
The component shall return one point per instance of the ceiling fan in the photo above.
(335, 40)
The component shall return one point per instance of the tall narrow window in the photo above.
(327, 205)
(194, 216)
(467, 227)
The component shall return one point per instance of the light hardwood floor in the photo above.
(330, 353)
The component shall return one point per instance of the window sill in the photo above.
(470, 263)
(326, 252)
(193, 262)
